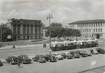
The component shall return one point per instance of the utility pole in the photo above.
(49, 21)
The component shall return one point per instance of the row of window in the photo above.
(31, 30)
(90, 25)
(26, 30)
(92, 30)
(29, 37)
(97, 30)
(87, 35)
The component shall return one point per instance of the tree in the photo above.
(76, 33)
(56, 30)
(56, 25)
(72, 32)
(6, 32)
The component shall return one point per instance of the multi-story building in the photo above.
(3, 31)
(25, 29)
(90, 28)
(0, 33)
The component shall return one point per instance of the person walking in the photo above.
(50, 52)
(44, 45)
(19, 62)
(14, 46)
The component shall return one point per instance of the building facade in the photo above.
(24, 29)
(0, 33)
(4, 32)
(90, 28)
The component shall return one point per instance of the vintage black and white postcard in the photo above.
(52, 36)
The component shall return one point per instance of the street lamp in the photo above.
(50, 16)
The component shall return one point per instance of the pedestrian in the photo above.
(50, 52)
(13, 46)
(44, 45)
(19, 62)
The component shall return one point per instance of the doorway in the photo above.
(97, 36)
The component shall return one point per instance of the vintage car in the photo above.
(75, 54)
(51, 58)
(94, 51)
(100, 50)
(12, 60)
(24, 59)
(85, 53)
(69, 55)
(40, 59)
(59, 57)
(64, 55)
(1, 64)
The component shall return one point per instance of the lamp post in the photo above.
(49, 21)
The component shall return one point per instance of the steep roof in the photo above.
(88, 21)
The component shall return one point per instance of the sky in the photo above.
(63, 11)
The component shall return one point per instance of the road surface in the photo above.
(81, 65)
(95, 70)
(64, 66)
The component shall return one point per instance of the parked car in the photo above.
(59, 57)
(88, 52)
(85, 53)
(39, 58)
(69, 55)
(100, 50)
(75, 54)
(3, 60)
(24, 59)
(12, 60)
(64, 55)
(1, 64)
(94, 51)
(36, 58)
(51, 58)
